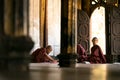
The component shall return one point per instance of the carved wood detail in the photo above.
(83, 29)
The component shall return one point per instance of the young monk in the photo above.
(96, 53)
(42, 55)
(82, 57)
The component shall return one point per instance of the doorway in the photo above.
(97, 27)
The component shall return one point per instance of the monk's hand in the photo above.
(55, 61)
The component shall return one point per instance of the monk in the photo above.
(42, 55)
(96, 53)
(82, 57)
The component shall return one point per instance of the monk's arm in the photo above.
(49, 57)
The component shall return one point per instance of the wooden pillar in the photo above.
(16, 20)
(43, 23)
(67, 57)
(1, 17)
(26, 17)
(15, 45)
(21, 17)
(79, 4)
(9, 17)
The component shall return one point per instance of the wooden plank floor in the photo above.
(47, 71)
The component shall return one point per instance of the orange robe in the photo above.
(97, 55)
(81, 53)
(39, 56)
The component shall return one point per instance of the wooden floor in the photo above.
(47, 71)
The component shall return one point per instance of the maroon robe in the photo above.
(81, 53)
(97, 55)
(39, 55)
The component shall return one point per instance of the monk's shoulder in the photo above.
(43, 50)
(98, 46)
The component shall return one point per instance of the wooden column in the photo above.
(9, 17)
(67, 57)
(1, 17)
(43, 23)
(16, 20)
(15, 44)
(18, 17)
(21, 17)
